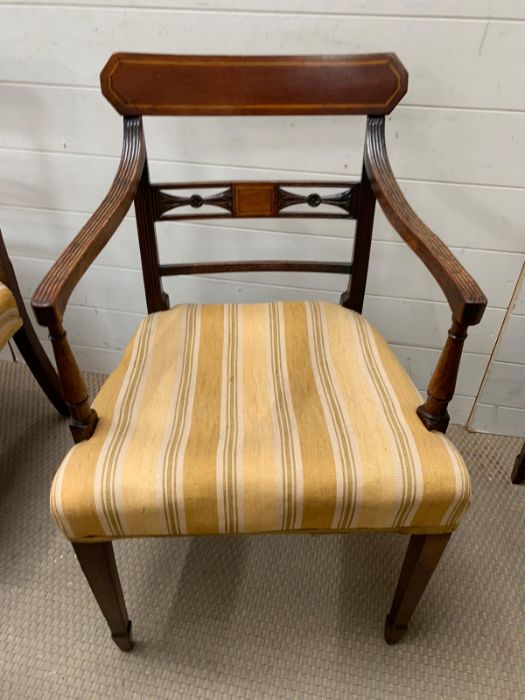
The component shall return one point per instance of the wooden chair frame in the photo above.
(371, 85)
(27, 341)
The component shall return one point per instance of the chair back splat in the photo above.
(143, 84)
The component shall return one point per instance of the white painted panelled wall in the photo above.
(456, 145)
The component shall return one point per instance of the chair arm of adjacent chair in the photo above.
(464, 296)
(51, 297)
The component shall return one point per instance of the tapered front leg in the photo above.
(97, 561)
(422, 557)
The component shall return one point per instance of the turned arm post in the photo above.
(434, 412)
(83, 419)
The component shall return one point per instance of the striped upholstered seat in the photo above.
(10, 320)
(258, 418)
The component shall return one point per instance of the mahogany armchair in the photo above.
(15, 324)
(245, 418)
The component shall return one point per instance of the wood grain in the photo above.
(254, 199)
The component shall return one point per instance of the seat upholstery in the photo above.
(288, 416)
(10, 320)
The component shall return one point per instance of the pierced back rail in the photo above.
(261, 199)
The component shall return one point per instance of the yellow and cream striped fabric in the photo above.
(10, 320)
(275, 417)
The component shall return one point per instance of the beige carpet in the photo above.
(260, 617)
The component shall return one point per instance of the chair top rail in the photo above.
(177, 85)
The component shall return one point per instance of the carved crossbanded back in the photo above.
(146, 84)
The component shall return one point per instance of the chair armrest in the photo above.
(50, 299)
(465, 298)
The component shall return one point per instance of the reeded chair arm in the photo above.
(466, 299)
(464, 296)
(51, 297)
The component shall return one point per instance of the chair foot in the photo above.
(393, 634)
(124, 641)
(422, 557)
(431, 421)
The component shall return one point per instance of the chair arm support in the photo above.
(51, 296)
(465, 298)
(433, 413)
(83, 419)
